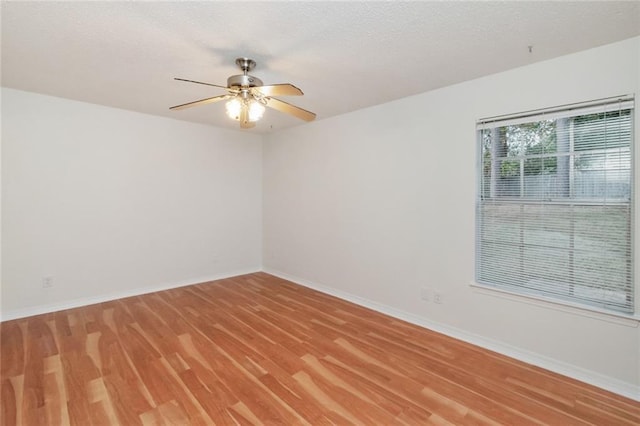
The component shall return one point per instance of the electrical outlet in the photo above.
(438, 298)
(425, 294)
(47, 282)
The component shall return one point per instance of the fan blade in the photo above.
(282, 106)
(200, 82)
(201, 102)
(244, 118)
(284, 89)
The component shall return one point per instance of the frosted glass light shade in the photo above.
(256, 110)
(233, 108)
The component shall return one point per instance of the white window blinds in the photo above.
(554, 204)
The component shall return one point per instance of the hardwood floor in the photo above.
(256, 349)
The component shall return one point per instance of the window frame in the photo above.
(571, 110)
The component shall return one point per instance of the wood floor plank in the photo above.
(9, 407)
(12, 349)
(256, 349)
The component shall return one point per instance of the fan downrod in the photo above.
(246, 64)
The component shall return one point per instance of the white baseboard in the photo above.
(596, 379)
(84, 301)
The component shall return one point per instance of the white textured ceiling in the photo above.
(343, 55)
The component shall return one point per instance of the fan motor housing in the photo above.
(243, 80)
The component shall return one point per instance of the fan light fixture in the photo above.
(234, 107)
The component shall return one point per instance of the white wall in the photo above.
(111, 202)
(376, 204)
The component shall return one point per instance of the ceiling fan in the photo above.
(247, 97)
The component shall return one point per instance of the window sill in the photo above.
(558, 305)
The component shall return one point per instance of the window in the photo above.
(554, 208)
